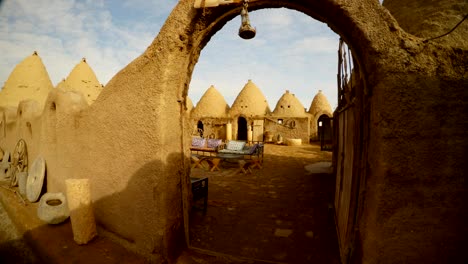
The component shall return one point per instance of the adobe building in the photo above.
(28, 80)
(248, 112)
(401, 186)
(210, 115)
(190, 105)
(319, 110)
(22, 100)
(82, 79)
(289, 120)
(213, 118)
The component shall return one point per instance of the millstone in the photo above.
(35, 180)
(22, 179)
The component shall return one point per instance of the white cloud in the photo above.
(290, 52)
(64, 31)
(275, 19)
(318, 44)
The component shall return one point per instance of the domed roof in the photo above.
(211, 104)
(82, 79)
(28, 80)
(320, 104)
(61, 85)
(250, 102)
(289, 106)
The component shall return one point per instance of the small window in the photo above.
(280, 121)
(320, 123)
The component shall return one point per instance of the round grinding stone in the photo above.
(35, 180)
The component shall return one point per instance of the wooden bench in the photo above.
(197, 161)
(245, 166)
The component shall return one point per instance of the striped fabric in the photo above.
(235, 145)
(198, 142)
(213, 143)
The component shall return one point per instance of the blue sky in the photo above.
(291, 51)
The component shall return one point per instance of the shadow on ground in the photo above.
(281, 213)
(137, 223)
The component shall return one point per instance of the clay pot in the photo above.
(53, 208)
(294, 142)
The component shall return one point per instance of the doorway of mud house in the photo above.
(283, 213)
(325, 132)
(200, 128)
(241, 128)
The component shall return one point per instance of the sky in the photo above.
(291, 50)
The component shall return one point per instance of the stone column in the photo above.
(229, 131)
(249, 133)
(81, 210)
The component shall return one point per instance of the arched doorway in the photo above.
(324, 131)
(200, 128)
(241, 128)
(170, 59)
(201, 241)
(216, 18)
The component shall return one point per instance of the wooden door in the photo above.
(346, 180)
(258, 130)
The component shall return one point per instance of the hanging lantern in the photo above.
(246, 31)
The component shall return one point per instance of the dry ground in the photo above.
(278, 214)
(281, 213)
(13, 249)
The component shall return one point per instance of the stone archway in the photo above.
(158, 81)
(154, 88)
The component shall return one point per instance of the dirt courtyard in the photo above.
(279, 214)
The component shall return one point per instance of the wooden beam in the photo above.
(215, 3)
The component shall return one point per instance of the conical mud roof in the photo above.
(61, 85)
(320, 104)
(82, 79)
(29, 80)
(211, 104)
(189, 104)
(289, 106)
(250, 102)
